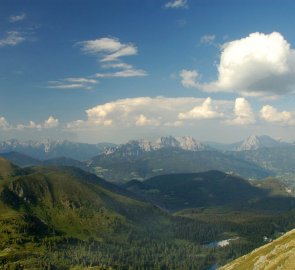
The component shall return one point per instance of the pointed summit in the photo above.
(255, 142)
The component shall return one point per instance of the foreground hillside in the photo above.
(65, 218)
(59, 218)
(279, 254)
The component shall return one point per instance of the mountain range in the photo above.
(141, 159)
(48, 149)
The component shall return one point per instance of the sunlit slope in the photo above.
(7, 169)
(279, 254)
(72, 201)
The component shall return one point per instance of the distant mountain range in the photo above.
(138, 147)
(255, 157)
(258, 142)
(48, 149)
(253, 142)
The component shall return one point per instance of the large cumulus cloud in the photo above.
(257, 65)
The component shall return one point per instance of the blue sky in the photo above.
(115, 70)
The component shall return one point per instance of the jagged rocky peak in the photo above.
(189, 143)
(135, 147)
(145, 145)
(131, 148)
(167, 142)
(255, 142)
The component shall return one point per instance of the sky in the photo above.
(114, 70)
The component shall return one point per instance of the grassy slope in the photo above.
(52, 205)
(279, 254)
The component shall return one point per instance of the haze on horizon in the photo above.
(117, 70)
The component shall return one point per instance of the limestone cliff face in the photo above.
(279, 254)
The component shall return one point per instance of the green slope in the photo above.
(65, 218)
(279, 254)
(7, 169)
(212, 189)
(58, 218)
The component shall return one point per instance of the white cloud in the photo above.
(31, 125)
(147, 111)
(189, 78)
(17, 18)
(81, 80)
(51, 122)
(142, 120)
(12, 38)
(207, 39)
(205, 111)
(272, 115)
(77, 124)
(123, 74)
(116, 65)
(110, 49)
(73, 83)
(4, 124)
(257, 65)
(176, 4)
(243, 113)
(67, 86)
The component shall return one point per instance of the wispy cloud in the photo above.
(207, 39)
(108, 49)
(73, 83)
(123, 74)
(177, 4)
(17, 18)
(120, 65)
(12, 38)
(81, 80)
(109, 52)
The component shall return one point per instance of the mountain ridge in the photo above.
(137, 147)
(47, 149)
